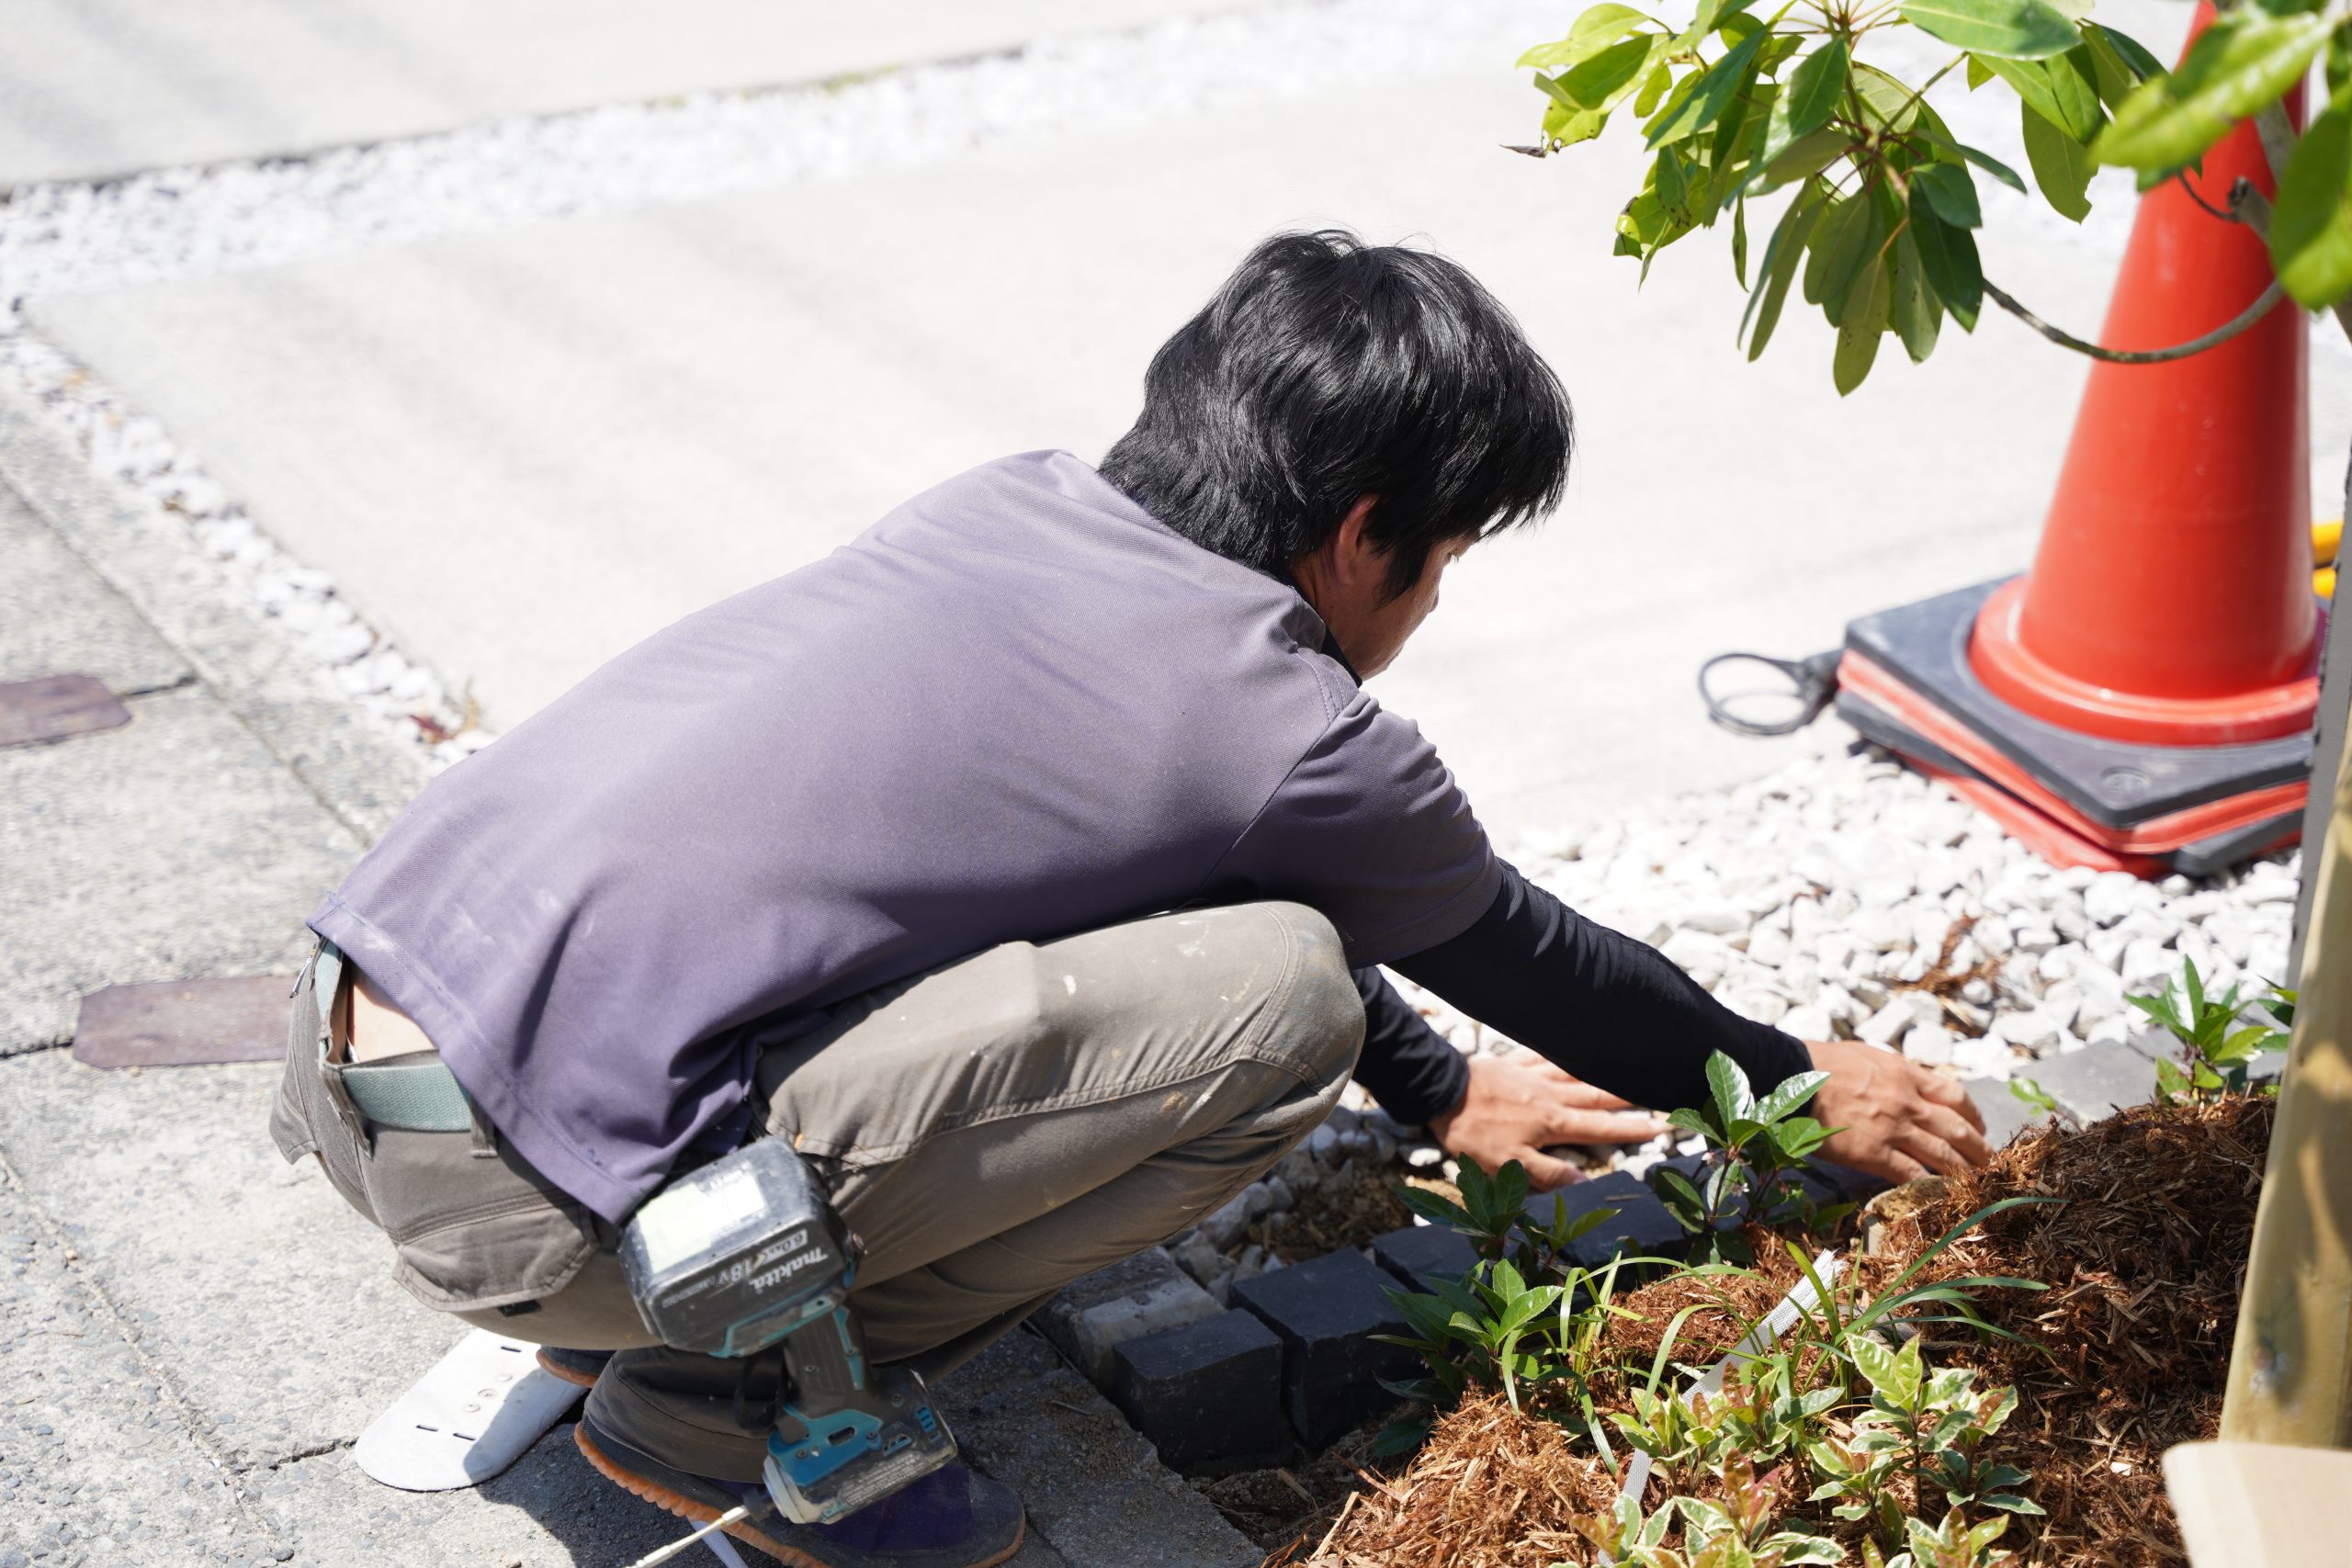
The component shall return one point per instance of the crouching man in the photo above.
(1026, 864)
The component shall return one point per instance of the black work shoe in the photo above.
(951, 1518)
(580, 1368)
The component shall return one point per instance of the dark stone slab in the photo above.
(2005, 1114)
(55, 707)
(1142, 1295)
(1420, 1256)
(1642, 1225)
(1207, 1392)
(2094, 1082)
(178, 1023)
(1326, 1313)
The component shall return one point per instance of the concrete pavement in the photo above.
(521, 452)
(97, 87)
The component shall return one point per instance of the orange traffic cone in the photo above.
(2171, 601)
(2142, 700)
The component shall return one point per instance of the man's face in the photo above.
(1382, 629)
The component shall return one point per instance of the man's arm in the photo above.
(1409, 1068)
(1617, 1013)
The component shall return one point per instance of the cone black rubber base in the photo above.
(2202, 858)
(2113, 784)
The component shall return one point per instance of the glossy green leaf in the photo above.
(1595, 31)
(1849, 235)
(1978, 74)
(2012, 29)
(1814, 87)
(2055, 91)
(2242, 62)
(1601, 81)
(1887, 101)
(2110, 73)
(1734, 1101)
(2135, 54)
(1948, 262)
(1804, 160)
(2061, 165)
(1654, 87)
(1781, 254)
(1788, 1095)
(1990, 164)
(1951, 191)
(2311, 224)
(1739, 241)
(1717, 86)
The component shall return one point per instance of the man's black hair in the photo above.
(1325, 371)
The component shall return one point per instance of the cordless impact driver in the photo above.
(746, 1253)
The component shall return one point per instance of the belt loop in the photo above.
(485, 1136)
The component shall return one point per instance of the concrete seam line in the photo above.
(361, 776)
(183, 1409)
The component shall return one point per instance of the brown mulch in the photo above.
(1347, 1209)
(2126, 1354)
(2129, 1347)
(1286, 1509)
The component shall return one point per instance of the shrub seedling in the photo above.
(2216, 1051)
(1753, 1147)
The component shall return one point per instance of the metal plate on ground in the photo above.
(182, 1024)
(55, 707)
(466, 1420)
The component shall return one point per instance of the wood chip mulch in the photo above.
(2126, 1354)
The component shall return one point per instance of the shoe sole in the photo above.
(576, 1378)
(701, 1512)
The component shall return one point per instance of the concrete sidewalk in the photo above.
(91, 88)
(518, 453)
(193, 1331)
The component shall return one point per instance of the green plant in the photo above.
(1733, 1528)
(1925, 1425)
(1883, 207)
(1753, 1147)
(1955, 1544)
(1494, 1214)
(2034, 1094)
(2216, 1051)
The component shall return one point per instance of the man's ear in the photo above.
(1355, 554)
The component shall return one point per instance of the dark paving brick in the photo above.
(2005, 1114)
(1138, 1295)
(1642, 1225)
(2094, 1082)
(1326, 1313)
(1420, 1256)
(1206, 1392)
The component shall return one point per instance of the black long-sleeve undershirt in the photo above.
(1613, 1011)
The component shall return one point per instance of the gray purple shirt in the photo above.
(1016, 708)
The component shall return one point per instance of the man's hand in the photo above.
(1517, 1104)
(1900, 1121)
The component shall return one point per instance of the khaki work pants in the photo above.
(990, 1130)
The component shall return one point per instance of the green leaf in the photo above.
(2113, 77)
(1595, 31)
(1733, 1099)
(1788, 1095)
(1781, 254)
(1653, 89)
(1951, 191)
(1990, 164)
(2311, 225)
(2012, 1503)
(1813, 90)
(1888, 103)
(1604, 79)
(1864, 325)
(2061, 164)
(1948, 264)
(1849, 233)
(2012, 29)
(1739, 242)
(1885, 1370)
(1666, 177)
(1978, 74)
(2055, 91)
(1914, 311)
(1804, 160)
(2241, 63)
(1700, 106)
(2135, 54)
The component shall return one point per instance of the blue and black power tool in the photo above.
(746, 1253)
